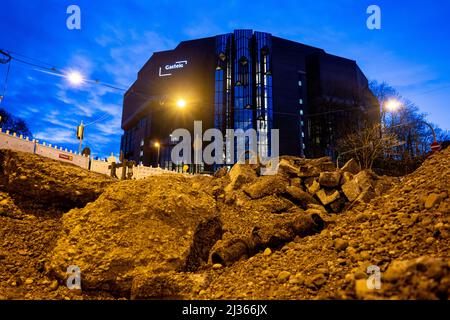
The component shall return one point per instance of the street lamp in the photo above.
(181, 103)
(392, 105)
(158, 146)
(75, 78)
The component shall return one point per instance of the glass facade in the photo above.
(243, 87)
(243, 80)
(264, 102)
(223, 87)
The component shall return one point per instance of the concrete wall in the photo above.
(140, 172)
(100, 166)
(14, 142)
(24, 144)
(64, 155)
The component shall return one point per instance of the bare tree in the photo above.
(14, 124)
(366, 144)
(407, 123)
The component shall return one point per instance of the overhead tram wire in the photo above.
(6, 60)
(29, 58)
(5, 84)
(50, 69)
(102, 117)
(43, 66)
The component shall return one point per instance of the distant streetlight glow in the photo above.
(75, 78)
(393, 105)
(158, 147)
(181, 103)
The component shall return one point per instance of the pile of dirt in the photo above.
(309, 231)
(313, 184)
(404, 232)
(271, 210)
(154, 238)
(34, 193)
(139, 232)
(40, 185)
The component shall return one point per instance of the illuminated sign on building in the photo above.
(166, 71)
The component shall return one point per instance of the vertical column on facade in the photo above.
(223, 94)
(243, 83)
(302, 103)
(263, 91)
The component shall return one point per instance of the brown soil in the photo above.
(234, 236)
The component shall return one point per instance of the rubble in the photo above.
(351, 166)
(351, 190)
(399, 232)
(424, 278)
(311, 231)
(34, 193)
(330, 179)
(138, 230)
(234, 249)
(307, 181)
(38, 184)
(327, 196)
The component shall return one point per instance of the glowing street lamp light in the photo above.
(158, 146)
(75, 78)
(181, 103)
(393, 105)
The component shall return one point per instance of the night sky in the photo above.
(411, 52)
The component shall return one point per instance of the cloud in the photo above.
(57, 135)
(32, 109)
(127, 60)
(388, 66)
(203, 28)
(110, 127)
(54, 118)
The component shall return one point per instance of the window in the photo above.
(142, 142)
(301, 112)
(142, 122)
(300, 101)
(300, 83)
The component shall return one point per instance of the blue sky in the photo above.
(411, 51)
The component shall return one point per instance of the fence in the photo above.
(100, 166)
(19, 143)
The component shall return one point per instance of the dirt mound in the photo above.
(168, 226)
(310, 231)
(410, 221)
(45, 186)
(34, 192)
(143, 229)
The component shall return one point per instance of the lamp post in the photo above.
(80, 135)
(158, 147)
